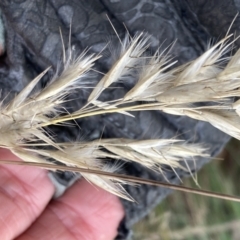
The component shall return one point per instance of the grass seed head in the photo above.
(174, 91)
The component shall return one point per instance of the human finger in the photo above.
(83, 212)
(24, 193)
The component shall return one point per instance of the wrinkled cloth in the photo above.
(32, 42)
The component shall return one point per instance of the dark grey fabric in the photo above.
(33, 43)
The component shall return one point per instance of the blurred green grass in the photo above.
(183, 216)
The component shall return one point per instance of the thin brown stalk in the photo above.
(124, 178)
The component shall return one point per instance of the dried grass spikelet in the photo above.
(152, 154)
(20, 119)
(174, 91)
(153, 79)
(203, 80)
(129, 57)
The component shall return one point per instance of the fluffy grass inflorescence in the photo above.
(160, 86)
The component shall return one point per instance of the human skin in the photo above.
(27, 211)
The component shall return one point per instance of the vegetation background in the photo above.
(183, 216)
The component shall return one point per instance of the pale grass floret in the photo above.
(152, 78)
(130, 55)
